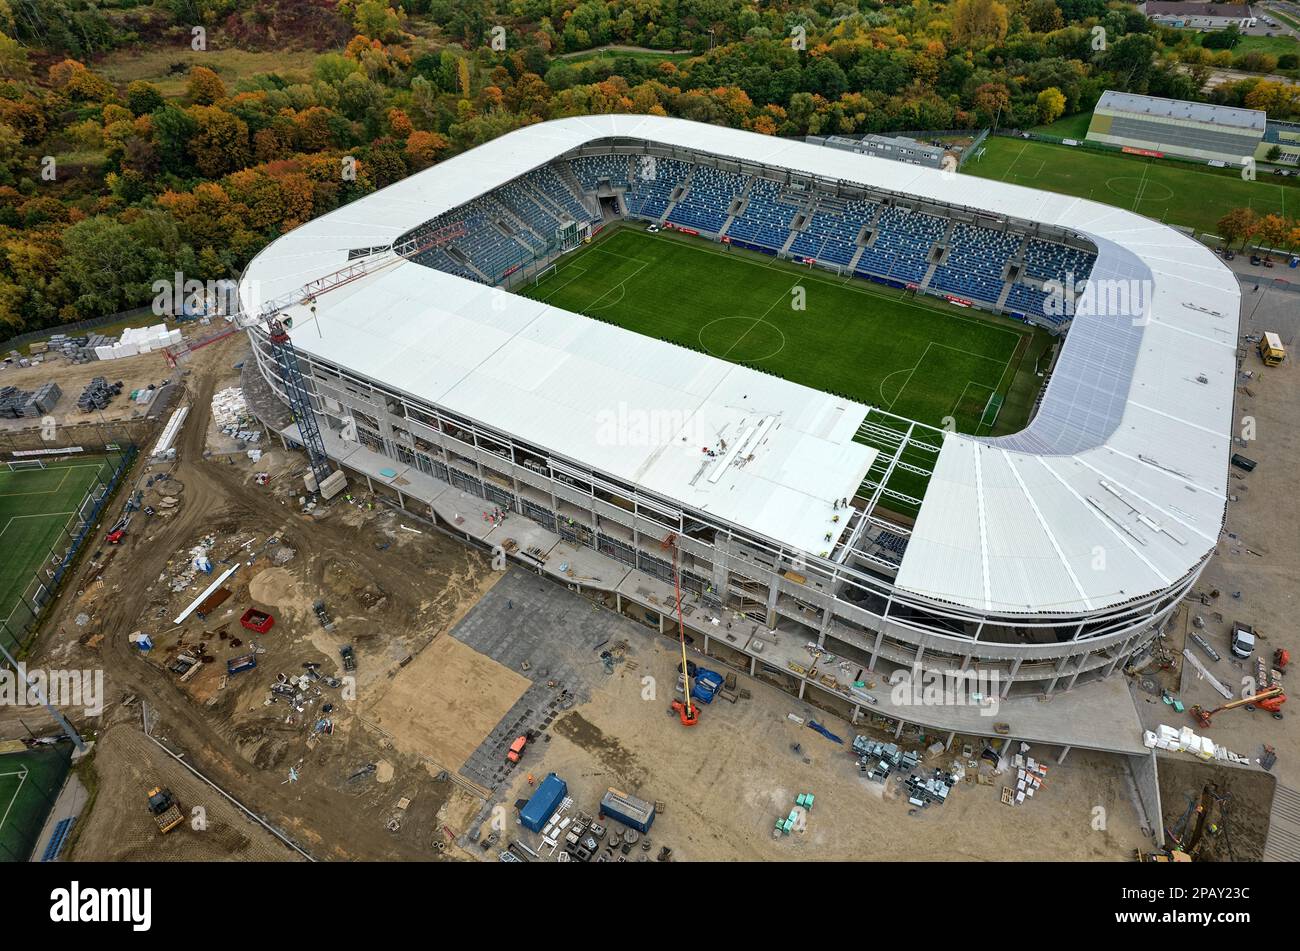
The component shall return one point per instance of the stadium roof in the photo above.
(1116, 490)
(1253, 119)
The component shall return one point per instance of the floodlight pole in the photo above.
(40, 695)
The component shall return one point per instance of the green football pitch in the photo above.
(29, 784)
(919, 359)
(1173, 192)
(35, 506)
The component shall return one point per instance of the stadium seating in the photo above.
(976, 261)
(765, 222)
(708, 196)
(591, 170)
(1047, 260)
(653, 184)
(902, 246)
(1028, 301)
(548, 182)
(833, 229)
(499, 232)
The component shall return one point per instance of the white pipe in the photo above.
(199, 600)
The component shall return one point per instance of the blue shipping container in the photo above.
(545, 801)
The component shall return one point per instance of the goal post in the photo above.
(543, 274)
(991, 410)
(21, 464)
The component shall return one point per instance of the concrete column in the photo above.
(947, 744)
(661, 622)
(753, 666)
(773, 592)
(803, 685)
(401, 500)
(1065, 751)
(1015, 667)
(875, 651)
(370, 485)
(899, 730)
(618, 602)
(706, 644)
(1078, 670)
(857, 711)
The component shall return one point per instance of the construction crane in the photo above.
(286, 358)
(272, 320)
(1270, 700)
(686, 711)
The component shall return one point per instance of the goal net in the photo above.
(25, 464)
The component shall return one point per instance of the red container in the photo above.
(256, 620)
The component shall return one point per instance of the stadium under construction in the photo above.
(1041, 561)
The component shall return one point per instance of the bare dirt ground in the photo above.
(1236, 802)
(120, 827)
(390, 592)
(383, 780)
(135, 373)
(725, 782)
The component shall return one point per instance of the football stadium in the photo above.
(926, 421)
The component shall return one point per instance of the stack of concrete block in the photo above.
(29, 404)
(77, 350)
(97, 394)
(229, 409)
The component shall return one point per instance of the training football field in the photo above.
(1177, 193)
(914, 356)
(35, 505)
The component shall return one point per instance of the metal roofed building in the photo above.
(1195, 130)
(1047, 557)
(899, 148)
(1198, 15)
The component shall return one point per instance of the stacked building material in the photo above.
(136, 340)
(44, 400)
(19, 404)
(922, 791)
(97, 394)
(229, 409)
(877, 760)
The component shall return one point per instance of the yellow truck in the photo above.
(1271, 350)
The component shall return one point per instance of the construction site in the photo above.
(338, 621)
(456, 660)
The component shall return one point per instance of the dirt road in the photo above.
(324, 816)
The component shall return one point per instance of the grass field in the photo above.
(1071, 127)
(35, 505)
(29, 783)
(922, 360)
(1196, 197)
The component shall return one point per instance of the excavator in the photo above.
(1270, 700)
